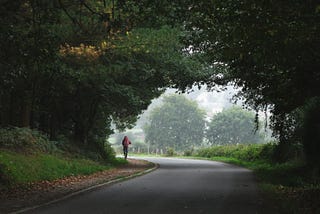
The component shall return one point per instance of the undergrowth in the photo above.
(21, 169)
(28, 156)
(292, 186)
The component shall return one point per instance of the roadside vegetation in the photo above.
(21, 168)
(292, 186)
(74, 69)
(28, 156)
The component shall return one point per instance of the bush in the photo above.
(267, 151)
(287, 151)
(16, 138)
(25, 140)
(109, 152)
(188, 152)
(242, 152)
(170, 152)
(97, 151)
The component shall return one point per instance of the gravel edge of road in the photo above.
(90, 188)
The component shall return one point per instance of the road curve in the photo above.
(178, 186)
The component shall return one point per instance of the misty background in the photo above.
(211, 102)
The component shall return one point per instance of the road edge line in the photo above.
(156, 166)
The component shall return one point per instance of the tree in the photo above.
(56, 74)
(233, 126)
(69, 68)
(178, 124)
(269, 49)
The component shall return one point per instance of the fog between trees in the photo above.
(180, 123)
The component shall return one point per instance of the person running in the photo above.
(125, 144)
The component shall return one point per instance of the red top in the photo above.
(126, 141)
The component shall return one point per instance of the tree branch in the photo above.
(92, 11)
(67, 13)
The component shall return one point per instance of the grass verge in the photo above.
(291, 187)
(19, 169)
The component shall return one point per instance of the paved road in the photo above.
(178, 186)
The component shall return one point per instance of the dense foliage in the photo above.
(290, 186)
(268, 48)
(69, 68)
(177, 124)
(25, 140)
(233, 126)
(250, 152)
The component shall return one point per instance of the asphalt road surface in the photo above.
(178, 186)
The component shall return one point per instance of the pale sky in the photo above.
(210, 101)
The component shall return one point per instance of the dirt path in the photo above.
(42, 192)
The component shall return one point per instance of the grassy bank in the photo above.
(291, 186)
(29, 156)
(16, 168)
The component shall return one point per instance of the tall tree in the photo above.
(233, 126)
(178, 124)
(71, 67)
(269, 49)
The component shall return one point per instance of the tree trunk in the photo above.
(80, 135)
(25, 114)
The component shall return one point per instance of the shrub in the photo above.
(188, 152)
(109, 152)
(16, 138)
(25, 140)
(170, 152)
(242, 152)
(287, 151)
(28, 141)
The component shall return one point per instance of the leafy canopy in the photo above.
(69, 68)
(233, 126)
(178, 124)
(268, 48)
